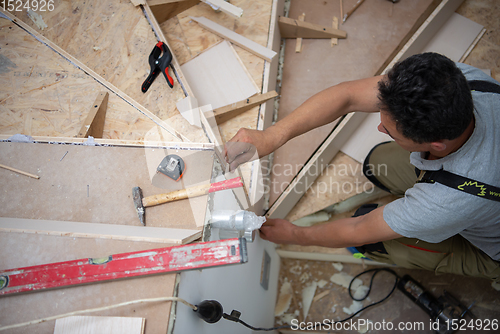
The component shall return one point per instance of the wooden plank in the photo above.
(94, 124)
(285, 202)
(97, 77)
(92, 324)
(325, 257)
(241, 41)
(226, 7)
(113, 142)
(100, 231)
(164, 10)
(225, 113)
(298, 43)
(290, 28)
(218, 78)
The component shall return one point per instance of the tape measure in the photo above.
(172, 166)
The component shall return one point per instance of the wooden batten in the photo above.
(94, 124)
(225, 113)
(290, 28)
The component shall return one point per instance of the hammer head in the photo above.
(137, 196)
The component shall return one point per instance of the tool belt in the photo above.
(462, 183)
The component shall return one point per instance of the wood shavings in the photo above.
(307, 298)
(284, 299)
(37, 19)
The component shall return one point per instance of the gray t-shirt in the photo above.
(434, 212)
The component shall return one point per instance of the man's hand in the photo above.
(248, 145)
(280, 231)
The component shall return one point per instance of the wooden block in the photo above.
(241, 41)
(298, 44)
(90, 325)
(290, 28)
(335, 25)
(94, 124)
(166, 9)
(100, 231)
(225, 113)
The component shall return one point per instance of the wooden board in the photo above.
(114, 39)
(91, 325)
(93, 184)
(44, 94)
(97, 230)
(237, 39)
(218, 78)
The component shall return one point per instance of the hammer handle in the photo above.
(191, 192)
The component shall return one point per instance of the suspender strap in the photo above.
(484, 86)
(461, 183)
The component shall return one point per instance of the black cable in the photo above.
(375, 272)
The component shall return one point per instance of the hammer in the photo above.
(141, 202)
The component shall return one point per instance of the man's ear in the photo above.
(438, 146)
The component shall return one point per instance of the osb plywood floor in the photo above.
(399, 308)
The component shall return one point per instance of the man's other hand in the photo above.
(280, 231)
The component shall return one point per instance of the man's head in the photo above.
(427, 99)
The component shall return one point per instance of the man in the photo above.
(427, 107)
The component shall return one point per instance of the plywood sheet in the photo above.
(218, 78)
(44, 94)
(90, 325)
(114, 39)
(94, 184)
(319, 66)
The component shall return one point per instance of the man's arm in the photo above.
(347, 232)
(320, 109)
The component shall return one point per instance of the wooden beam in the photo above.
(298, 43)
(94, 124)
(290, 28)
(420, 35)
(241, 41)
(225, 113)
(325, 257)
(166, 9)
(100, 231)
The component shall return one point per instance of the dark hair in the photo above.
(428, 97)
